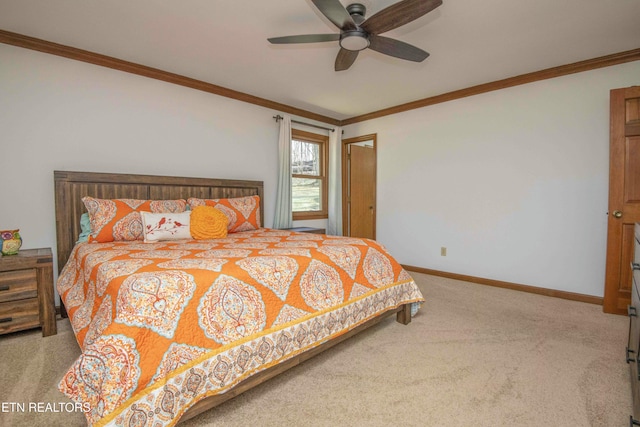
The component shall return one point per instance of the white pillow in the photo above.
(165, 226)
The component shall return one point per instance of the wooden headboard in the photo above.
(71, 187)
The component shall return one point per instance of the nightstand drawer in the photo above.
(18, 315)
(18, 284)
(26, 292)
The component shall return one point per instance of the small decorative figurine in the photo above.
(10, 241)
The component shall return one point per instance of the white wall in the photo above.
(514, 182)
(59, 114)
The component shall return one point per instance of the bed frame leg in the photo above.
(404, 315)
(63, 310)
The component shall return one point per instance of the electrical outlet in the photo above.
(443, 251)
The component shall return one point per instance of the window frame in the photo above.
(323, 142)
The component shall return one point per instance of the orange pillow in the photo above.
(119, 219)
(208, 223)
(243, 212)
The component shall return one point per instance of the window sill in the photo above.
(299, 216)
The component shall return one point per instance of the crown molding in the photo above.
(549, 73)
(45, 46)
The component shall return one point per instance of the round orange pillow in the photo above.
(208, 222)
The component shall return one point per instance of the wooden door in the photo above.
(624, 196)
(362, 192)
(359, 181)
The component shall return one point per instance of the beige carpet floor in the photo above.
(474, 356)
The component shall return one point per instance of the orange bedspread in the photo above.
(163, 325)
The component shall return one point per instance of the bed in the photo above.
(171, 328)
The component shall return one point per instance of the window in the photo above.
(309, 154)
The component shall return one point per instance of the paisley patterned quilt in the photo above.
(163, 325)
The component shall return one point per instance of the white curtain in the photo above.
(334, 224)
(283, 216)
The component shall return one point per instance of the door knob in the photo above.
(617, 214)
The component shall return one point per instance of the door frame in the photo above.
(345, 179)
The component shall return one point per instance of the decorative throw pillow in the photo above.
(119, 219)
(243, 212)
(165, 226)
(208, 222)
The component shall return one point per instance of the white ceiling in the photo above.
(224, 42)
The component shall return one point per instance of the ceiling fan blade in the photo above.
(398, 14)
(306, 38)
(336, 13)
(396, 48)
(345, 59)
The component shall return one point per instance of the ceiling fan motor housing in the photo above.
(358, 39)
(357, 11)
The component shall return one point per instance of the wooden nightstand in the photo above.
(26, 292)
(307, 230)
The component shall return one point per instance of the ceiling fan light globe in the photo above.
(354, 40)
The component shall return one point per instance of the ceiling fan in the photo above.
(358, 33)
